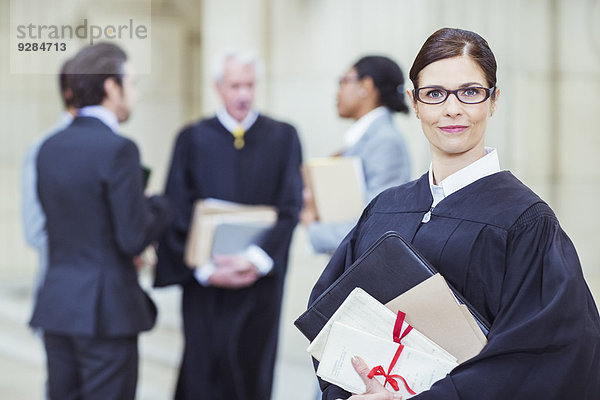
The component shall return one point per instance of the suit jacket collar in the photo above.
(103, 114)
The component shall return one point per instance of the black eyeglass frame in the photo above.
(488, 93)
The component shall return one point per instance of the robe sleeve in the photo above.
(288, 202)
(170, 268)
(544, 342)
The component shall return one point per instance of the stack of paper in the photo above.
(443, 336)
(361, 311)
(224, 227)
(338, 187)
(419, 369)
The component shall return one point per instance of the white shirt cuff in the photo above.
(261, 260)
(204, 272)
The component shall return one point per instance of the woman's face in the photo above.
(349, 94)
(453, 128)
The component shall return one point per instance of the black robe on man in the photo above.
(231, 335)
(503, 249)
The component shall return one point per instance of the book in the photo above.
(224, 227)
(389, 267)
(338, 187)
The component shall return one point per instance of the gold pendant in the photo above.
(238, 143)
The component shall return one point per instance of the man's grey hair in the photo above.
(240, 57)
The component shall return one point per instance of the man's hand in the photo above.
(233, 272)
(147, 259)
(375, 390)
(308, 215)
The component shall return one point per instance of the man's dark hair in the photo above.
(63, 84)
(88, 70)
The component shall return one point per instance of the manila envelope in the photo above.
(432, 309)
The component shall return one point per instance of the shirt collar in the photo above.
(101, 113)
(358, 128)
(486, 165)
(231, 123)
(64, 119)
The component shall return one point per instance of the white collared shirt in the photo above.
(358, 128)
(231, 123)
(101, 113)
(486, 165)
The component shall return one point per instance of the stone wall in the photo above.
(545, 128)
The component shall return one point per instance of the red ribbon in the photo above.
(398, 327)
(378, 370)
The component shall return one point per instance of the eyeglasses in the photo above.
(438, 95)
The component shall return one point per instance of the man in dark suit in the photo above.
(90, 306)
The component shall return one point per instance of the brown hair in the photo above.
(451, 42)
(63, 84)
(88, 70)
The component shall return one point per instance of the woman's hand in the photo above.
(375, 390)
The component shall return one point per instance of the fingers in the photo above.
(361, 368)
(230, 278)
(224, 260)
(233, 261)
(375, 390)
(307, 195)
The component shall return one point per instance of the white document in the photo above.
(363, 312)
(420, 370)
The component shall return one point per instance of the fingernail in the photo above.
(354, 360)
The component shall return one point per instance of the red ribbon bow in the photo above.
(378, 370)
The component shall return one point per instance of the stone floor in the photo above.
(21, 354)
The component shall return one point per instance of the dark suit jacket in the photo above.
(90, 187)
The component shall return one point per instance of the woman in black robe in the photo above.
(490, 236)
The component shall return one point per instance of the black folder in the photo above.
(388, 268)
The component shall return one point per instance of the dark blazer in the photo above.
(98, 219)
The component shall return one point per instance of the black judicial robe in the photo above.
(231, 335)
(502, 247)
